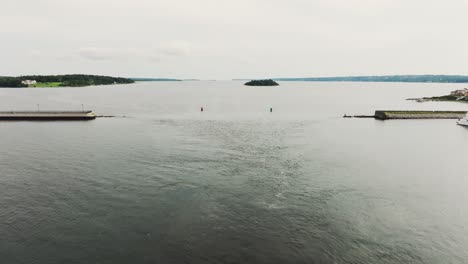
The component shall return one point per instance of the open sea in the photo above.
(163, 182)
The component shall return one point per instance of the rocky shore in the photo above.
(455, 96)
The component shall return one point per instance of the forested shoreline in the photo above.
(69, 80)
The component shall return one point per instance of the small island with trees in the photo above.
(69, 80)
(262, 83)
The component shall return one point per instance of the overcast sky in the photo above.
(221, 39)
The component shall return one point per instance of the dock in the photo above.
(48, 115)
(411, 114)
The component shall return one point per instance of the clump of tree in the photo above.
(268, 82)
(449, 97)
(11, 82)
(70, 80)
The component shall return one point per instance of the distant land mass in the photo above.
(154, 80)
(69, 80)
(268, 82)
(454, 96)
(386, 78)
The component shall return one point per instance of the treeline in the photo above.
(388, 78)
(13, 82)
(73, 80)
(261, 83)
(449, 97)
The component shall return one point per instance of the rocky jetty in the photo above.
(410, 114)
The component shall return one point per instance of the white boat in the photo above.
(463, 121)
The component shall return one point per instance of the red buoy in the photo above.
(201, 109)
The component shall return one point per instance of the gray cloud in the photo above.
(234, 39)
(175, 49)
(101, 54)
(157, 54)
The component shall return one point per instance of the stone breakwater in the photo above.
(385, 115)
(47, 115)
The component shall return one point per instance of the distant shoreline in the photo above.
(386, 78)
(69, 80)
(155, 80)
(82, 80)
(454, 96)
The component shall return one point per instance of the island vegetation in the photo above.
(69, 80)
(262, 83)
(387, 78)
(455, 96)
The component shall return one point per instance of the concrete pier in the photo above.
(411, 114)
(48, 115)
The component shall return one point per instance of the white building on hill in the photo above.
(29, 82)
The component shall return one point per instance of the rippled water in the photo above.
(164, 183)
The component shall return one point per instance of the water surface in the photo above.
(164, 183)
